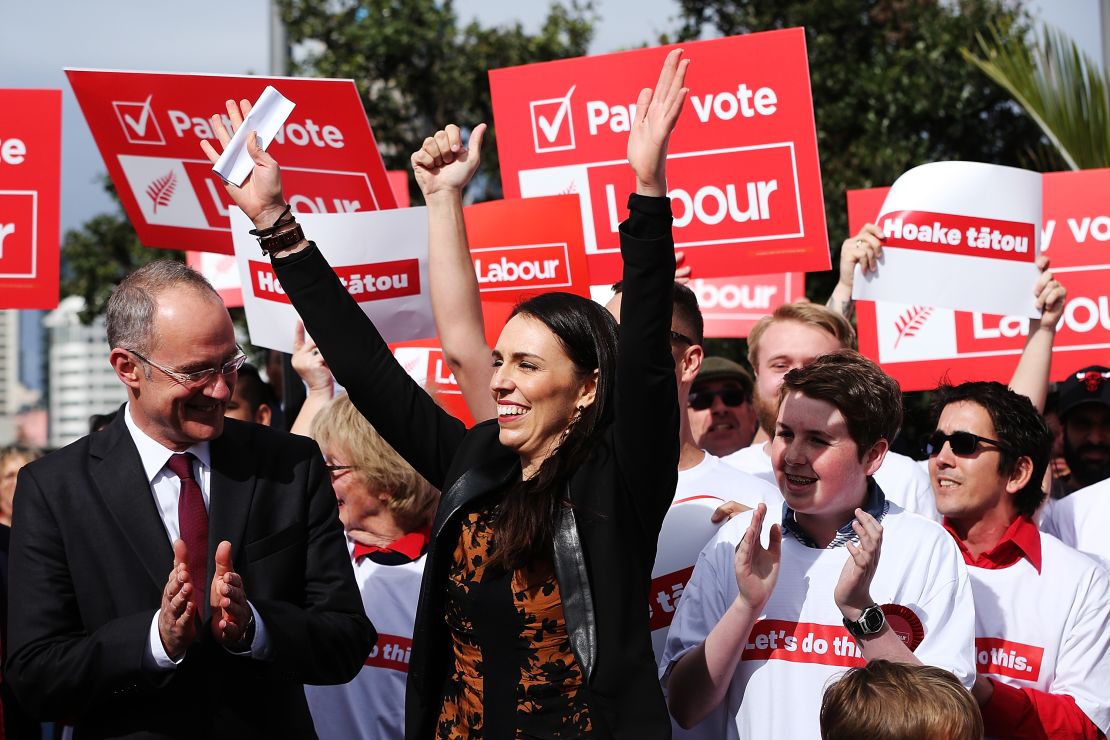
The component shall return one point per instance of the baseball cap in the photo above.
(720, 368)
(1088, 385)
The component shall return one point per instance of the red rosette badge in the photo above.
(905, 623)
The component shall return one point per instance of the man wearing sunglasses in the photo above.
(177, 574)
(721, 413)
(1042, 610)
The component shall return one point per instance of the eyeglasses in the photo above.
(701, 400)
(676, 337)
(200, 378)
(963, 443)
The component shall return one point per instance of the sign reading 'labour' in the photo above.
(148, 127)
(742, 170)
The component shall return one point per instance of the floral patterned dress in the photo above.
(514, 673)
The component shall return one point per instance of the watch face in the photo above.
(872, 620)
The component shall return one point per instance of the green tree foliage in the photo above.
(1059, 86)
(96, 256)
(891, 89)
(417, 69)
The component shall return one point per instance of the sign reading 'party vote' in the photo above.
(742, 168)
(149, 126)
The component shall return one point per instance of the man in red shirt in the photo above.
(1042, 621)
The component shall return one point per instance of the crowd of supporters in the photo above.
(837, 589)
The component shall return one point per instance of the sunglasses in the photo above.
(701, 400)
(962, 443)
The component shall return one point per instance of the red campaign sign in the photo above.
(521, 248)
(399, 184)
(390, 651)
(921, 346)
(423, 360)
(732, 305)
(30, 182)
(742, 167)
(1010, 659)
(148, 127)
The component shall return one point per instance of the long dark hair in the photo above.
(588, 334)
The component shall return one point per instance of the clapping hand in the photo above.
(177, 620)
(757, 567)
(232, 625)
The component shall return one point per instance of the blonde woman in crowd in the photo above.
(386, 510)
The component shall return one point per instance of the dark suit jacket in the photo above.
(603, 558)
(90, 559)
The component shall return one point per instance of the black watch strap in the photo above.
(870, 622)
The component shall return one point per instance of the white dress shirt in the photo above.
(166, 489)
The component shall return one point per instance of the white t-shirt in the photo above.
(686, 529)
(799, 644)
(902, 479)
(1082, 520)
(1048, 631)
(372, 705)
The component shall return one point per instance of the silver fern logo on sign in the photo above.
(161, 190)
(910, 321)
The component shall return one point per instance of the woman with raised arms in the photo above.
(533, 618)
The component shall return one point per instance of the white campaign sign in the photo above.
(380, 256)
(960, 235)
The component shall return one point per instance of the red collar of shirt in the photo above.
(410, 545)
(1021, 539)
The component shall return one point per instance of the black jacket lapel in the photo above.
(232, 491)
(118, 472)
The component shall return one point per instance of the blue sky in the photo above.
(168, 36)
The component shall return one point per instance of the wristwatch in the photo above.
(870, 622)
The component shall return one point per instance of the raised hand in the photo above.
(1050, 295)
(310, 364)
(260, 197)
(231, 615)
(176, 622)
(442, 164)
(757, 567)
(656, 114)
(853, 591)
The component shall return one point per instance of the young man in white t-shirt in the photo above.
(761, 630)
(1042, 609)
(793, 336)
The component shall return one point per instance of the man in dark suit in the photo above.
(176, 575)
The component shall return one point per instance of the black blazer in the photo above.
(90, 559)
(604, 552)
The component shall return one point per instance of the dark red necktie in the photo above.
(192, 518)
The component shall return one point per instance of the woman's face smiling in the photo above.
(817, 463)
(537, 389)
